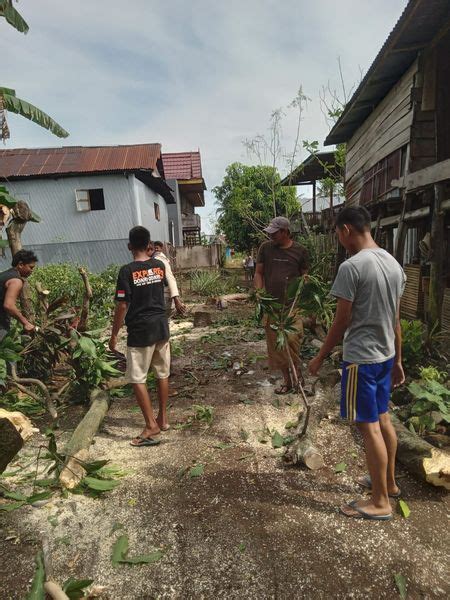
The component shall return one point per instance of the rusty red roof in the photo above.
(25, 162)
(182, 165)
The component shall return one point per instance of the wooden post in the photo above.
(437, 257)
(331, 198)
(401, 234)
(314, 201)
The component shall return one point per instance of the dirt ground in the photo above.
(248, 527)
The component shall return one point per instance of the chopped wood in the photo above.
(22, 423)
(421, 458)
(73, 471)
(10, 443)
(84, 316)
(55, 591)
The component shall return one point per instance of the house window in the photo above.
(90, 199)
(157, 215)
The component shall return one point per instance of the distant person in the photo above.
(279, 262)
(172, 288)
(140, 302)
(249, 266)
(368, 287)
(11, 284)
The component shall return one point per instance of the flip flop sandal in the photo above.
(145, 442)
(362, 514)
(367, 483)
(284, 389)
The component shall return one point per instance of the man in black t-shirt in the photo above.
(140, 303)
(11, 284)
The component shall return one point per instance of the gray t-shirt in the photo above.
(374, 281)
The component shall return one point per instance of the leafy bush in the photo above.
(431, 405)
(431, 373)
(61, 280)
(412, 346)
(212, 283)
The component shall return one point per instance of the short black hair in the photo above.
(139, 238)
(24, 256)
(356, 216)
(157, 243)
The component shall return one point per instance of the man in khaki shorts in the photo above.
(140, 303)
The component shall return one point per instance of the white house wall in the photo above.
(159, 230)
(93, 238)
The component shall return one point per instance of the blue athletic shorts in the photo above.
(366, 390)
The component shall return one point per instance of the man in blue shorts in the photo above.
(368, 288)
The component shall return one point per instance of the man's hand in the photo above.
(28, 327)
(112, 343)
(398, 375)
(180, 307)
(315, 364)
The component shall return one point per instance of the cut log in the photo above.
(10, 443)
(82, 438)
(233, 298)
(22, 423)
(302, 449)
(202, 318)
(421, 458)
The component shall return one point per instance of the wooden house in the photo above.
(397, 130)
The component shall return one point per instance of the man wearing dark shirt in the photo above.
(279, 262)
(11, 284)
(140, 303)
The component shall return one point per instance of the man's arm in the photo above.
(172, 285)
(258, 280)
(398, 375)
(13, 289)
(119, 316)
(335, 334)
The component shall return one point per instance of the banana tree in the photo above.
(8, 99)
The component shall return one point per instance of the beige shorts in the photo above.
(139, 361)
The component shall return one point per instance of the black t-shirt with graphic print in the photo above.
(141, 285)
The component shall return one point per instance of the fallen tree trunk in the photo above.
(421, 458)
(10, 443)
(77, 450)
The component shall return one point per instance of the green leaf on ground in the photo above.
(277, 440)
(404, 509)
(100, 485)
(39, 496)
(196, 471)
(14, 495)
(93, 466)
(242, 547)
(400, 582)
(37, 586)
(340, 467)
(74, 587)
(120, 549)
(11, 506)
(276, 403)
(291, 425)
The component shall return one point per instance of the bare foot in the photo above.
(368, 507)
(163, 423)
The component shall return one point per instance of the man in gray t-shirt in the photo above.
(368, 288)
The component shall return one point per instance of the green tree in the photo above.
(8, 99)
(245, 203)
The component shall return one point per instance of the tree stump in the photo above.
(10, 443)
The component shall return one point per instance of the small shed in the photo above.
(397, 130)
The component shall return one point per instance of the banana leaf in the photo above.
(27, 110)
(12, 16)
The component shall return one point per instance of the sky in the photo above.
(204, 74)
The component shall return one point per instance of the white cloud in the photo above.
(203, 74)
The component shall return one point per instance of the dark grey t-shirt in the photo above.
(374, 281)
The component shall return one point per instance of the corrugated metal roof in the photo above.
(419, 23)
(25, 162)
(315, 167)
(182, 165)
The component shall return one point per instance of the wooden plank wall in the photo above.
(387, 129)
